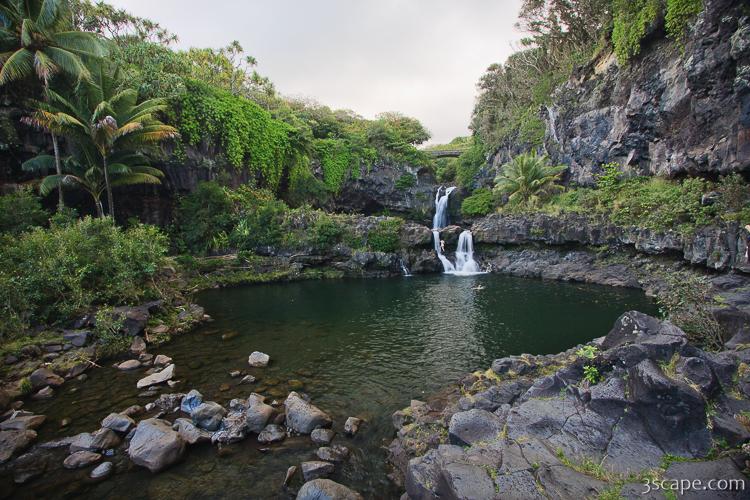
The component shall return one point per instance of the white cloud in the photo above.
(420, 57)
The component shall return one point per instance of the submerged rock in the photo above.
(81, 459)
(11, 442)
(351, 426)
(155, 445)
(316, 469)
(322, 436)
(319, 489)
(303, 417)
(102, 470)
(157, 378)
(334, 453)
(258, 359)
(29, 466)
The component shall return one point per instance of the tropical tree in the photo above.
(127, 169)
(527, 179)
(36, 38)
(106, 122)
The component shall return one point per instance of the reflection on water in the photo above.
(358, 347)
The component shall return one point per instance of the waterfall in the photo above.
(465, 263)
(404, 269)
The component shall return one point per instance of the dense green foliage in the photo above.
(679, 13)
(385, 237)
(21, 211)
(528, 180)
(632, 19)
(469, 164)
(49, 275)
(481, 202)
(201, 217)
(405, 181)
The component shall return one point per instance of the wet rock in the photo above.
(105, 439)
(258, 359)
(157, 378)
(257, 413)
(272, 434)
(81, 459)
(208, 415)
(162, 360)
(42, 377)
(190, 433)
(235, 373)
(118, 422)
(132, 411)
(233, 428)
(247, 379)
(318, 489)
(138, 345)
(29, 466)
(322, 436)
(296, 385)
(351, 426)
(191, 401)
(82, 442)
(22, 422)
(169, 402)
(316, 469)
(44, 393)
(78, 338)
(146, 358)
(155, 445)
(102, 470)
(290, 473)
(130, 364)
(468, 427)
(303, 417)
(334, 453)
(133, 319)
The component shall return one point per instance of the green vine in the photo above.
(631, 21)
(336, 159)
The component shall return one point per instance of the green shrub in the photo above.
(446, 169)
(108, 331)
(679, 14)
(48, 275)
(405, 182)
(385, 237)
(327, 231)
(21, 211)
(469, 164)
(260, 219)
(201, 217)
(632, 19)
(481, 202)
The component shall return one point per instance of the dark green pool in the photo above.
(360, 347)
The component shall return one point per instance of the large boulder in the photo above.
(155, 445)
(656, 339)
(257, 413)
(325, 489)
(157, 378)
(208, 415)
(303, 417)
(475, 425)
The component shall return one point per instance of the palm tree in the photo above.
(127, 169)
(527, 179)
(36, 37)
(104, 121)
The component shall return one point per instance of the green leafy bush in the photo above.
(445, 169)
(632, 19)
(469, 164)
(385, 237)
(405, 182)
(327, 231)
(259, 220)
(481, 202)
(21, 211)
(679, 14)
(48, 275)
(201, 217)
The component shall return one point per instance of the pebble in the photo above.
(102, 470)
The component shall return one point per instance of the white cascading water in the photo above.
(465, 263)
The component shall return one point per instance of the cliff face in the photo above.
(671, 111)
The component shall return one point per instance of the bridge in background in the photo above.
(445, 153)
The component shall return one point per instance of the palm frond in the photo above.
(68, 62)
(131, 179)
(44, 66)
(19, 65)
(79, 43)
(39, 163)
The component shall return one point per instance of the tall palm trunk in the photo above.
(58, 169)
(98, 206)
(110, 200)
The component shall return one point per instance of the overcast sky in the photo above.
(420, 57)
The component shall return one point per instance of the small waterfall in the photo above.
(465, 262)
(404, 269)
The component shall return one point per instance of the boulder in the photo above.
(102, 470)
(334, 453)
(130, 364)
(81, 459)
(191, 401)
(157, 378)
(316, 469)
(319, 489)
(42, 377)
(133, 319)
(512, 365)
(22, 422)
(155, 445)
(118, 422)
(162, 360)
(190, 433)
(257, 413)
(11, 442)
(234, 428)
(351, 426)
(208, 415)
(82, 442)
(105, 439)
(290, 473)
(322, 436)
(272, 434)
(303, 417)
(138, 346)
(258, 359)
(169, 402)
(78, 338)
(468, 427)
(44, 393)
